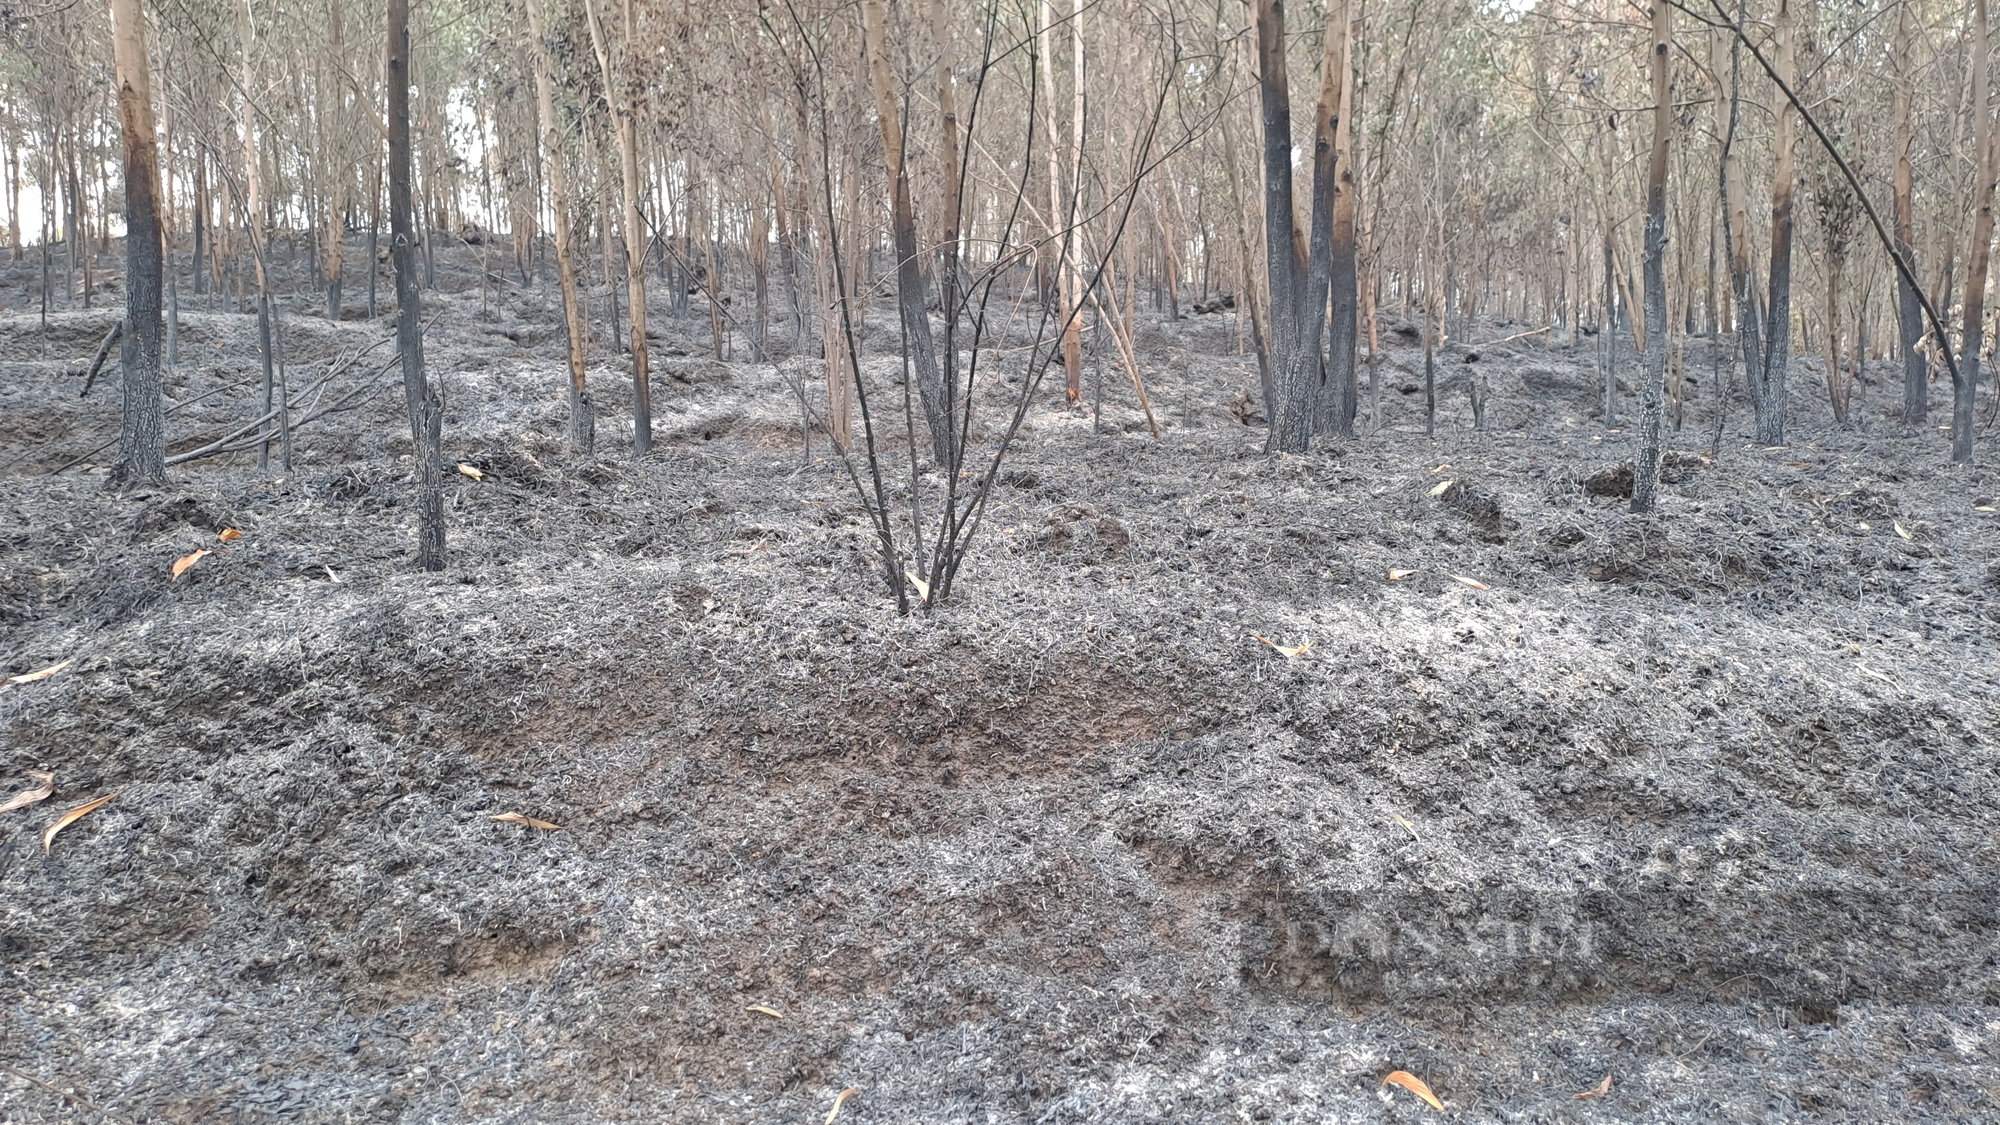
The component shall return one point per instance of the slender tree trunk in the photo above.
(1736, 236)
(938, 404)
(626, 133)
(1909, 310)
(760, 279)
(1771, 405)
(1979, 253)
(1298, 295)
(200, 220)
(1340, 399)
(142, 442)
(374, 228)
(582, 421)
(14, 197)
(1610, 328)
(1646, 483)
(954, 199)
(1071, 277)
(425, 405)
(1259, 338)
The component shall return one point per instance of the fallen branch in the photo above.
(1519, 335)
(103, 351)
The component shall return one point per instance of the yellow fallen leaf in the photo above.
(839, 1100)
(1399, 575)
(1438, 488)
(1597, 1091)
(71, 817)
(28, 797)
(38, 674)
(522, 818)
(766, 1010)
(923, 587)
(1288, 650)
(181, 564)
(1903, 531)
(230, 535)
(1415, 1086)
(471, 471)
(1472, 582)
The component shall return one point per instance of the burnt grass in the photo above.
(1704, 801)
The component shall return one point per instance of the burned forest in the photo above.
(1041, 561)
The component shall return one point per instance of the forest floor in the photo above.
(1704, 803)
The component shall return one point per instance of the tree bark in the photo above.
(1909, 310)
(1298, 291)
(939, 407)
(954, 197)
(1979, 253)
(1770, 403)
(626, 133)
(338, 174)
(1646, 481)
(1736, 237)
(142, 442)
(582, 420)
(1339, 398)
(425, 406)
(1071, 277)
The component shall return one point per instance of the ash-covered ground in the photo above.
(1703, 802)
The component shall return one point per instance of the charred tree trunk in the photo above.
(1339, 397)
(954, 198)
(1736, 238)
(142, 444)
(1909, 309)
(425, 406)
(582, 421)
(1646, 481)
(626, 134)
(1770, 399)
(1298, 291)
(1978, 255)
(938, 405)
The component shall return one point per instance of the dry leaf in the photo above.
(329, 573)
(181, 564)
(30, 796)
(923, 587)
(230, 535)
(1472, 582)
(1398, 817)
(766, 1010)
(1415, 1086)
(71, 817)
(1399, 575)
(1442, 468)
(1597, 1091)
(1292, 650)
(839, 1100)
(1438, 488)
(1903, 531)
(521, 818)
(38, 674)
(1984, 508)
(471, 471)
